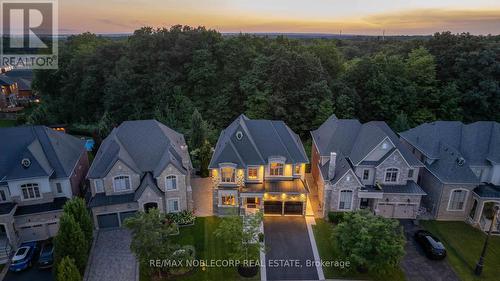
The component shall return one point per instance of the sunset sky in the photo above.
(313, 16)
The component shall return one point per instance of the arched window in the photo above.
(457, 200)
(30, 191)
(121, 183)
(345, 200)
(171, 182)
(391, 175)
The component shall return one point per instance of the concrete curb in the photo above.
(310, 221)
(5, 270)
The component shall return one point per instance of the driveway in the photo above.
(288, 249)
(202, 196)
(111, 258)
(417, 266)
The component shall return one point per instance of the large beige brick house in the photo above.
(462, 169)
(364, 166)
(140, 165)
(259, 165)
(40, 169)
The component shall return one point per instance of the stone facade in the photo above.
(348, 182)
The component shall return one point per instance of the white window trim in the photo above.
(397, 175)
(253, 167)
(176, 183)
(352, 200)
(465, 200)
(228, 193)
(178, 204)
(223, 166)
(95, 185)
(31, 199)
(277, 162)
(62, 189)
(129, 183)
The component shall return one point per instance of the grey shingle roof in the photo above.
(260, 140)
(478, 143)
(488, 191)
(341, 168)
(410, 187)
(55, 205)
(143, 145)
(356, 140)
(51, 153)
(101, 199)
(147, 180)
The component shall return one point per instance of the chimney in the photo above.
(331, 166)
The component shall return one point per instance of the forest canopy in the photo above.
(167, 74)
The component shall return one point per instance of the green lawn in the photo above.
(464, 244)
(329, 251)
(7, 123)
(201, 236)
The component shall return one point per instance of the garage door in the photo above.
(125, 215)
(33, 233)
(273, 207)
(386, 210)
(405, 211)
(108, 220)
(293, 208)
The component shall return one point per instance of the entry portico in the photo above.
(259, 165)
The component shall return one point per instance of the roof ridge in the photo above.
(280, 139)
(250, 138)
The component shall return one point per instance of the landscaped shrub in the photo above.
(182, 218)
(335, 217)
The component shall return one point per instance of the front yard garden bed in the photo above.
(329, 251)
(464, 244)
(208, 247)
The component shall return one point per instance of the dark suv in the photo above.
(433, 248)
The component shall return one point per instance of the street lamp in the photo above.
(480, 263)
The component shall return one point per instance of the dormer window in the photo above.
(30, 191)
(171, 182)
(121, 183)
(276, 169)
(227, 174)
(297, 169)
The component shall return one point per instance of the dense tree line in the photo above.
(169, 73)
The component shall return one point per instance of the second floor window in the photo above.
(121, 183)
(366, 174)
(99, 186)
(297, 169)
(410, 173)
(3, 197)
(253, 173)
(276, 169)
(30, 191)
(391, 175)
(59, 187)
(171, 182)
(227, 174)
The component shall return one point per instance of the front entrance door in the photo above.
(149, 206)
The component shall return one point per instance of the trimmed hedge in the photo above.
(335, 217)
(182, 218)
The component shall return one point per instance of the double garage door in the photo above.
(398, 211)
(113, 220)
(38, 232)
(277, 208)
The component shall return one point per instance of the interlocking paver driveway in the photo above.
(417, 266)
(287, 239)
(112, 259)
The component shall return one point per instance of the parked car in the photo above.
(23, 258)
(432, 247)
(46, 259)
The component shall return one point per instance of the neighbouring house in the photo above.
(9, 92)
(40, 169)
(259, 165)
(462, 175)
(140, 165)
(23, 78)
(364, 166)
